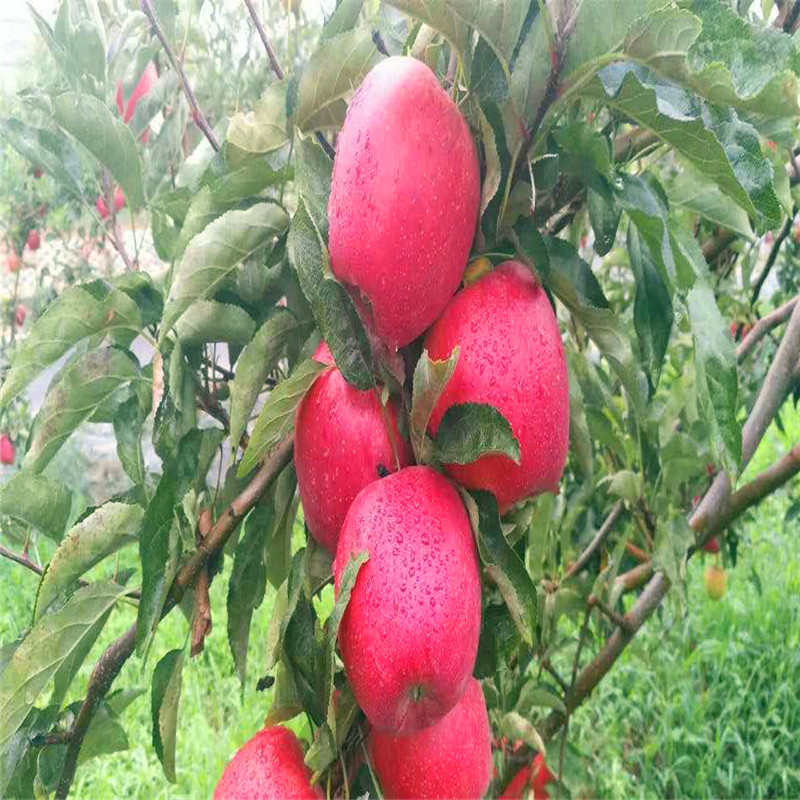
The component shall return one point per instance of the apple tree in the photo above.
(492, 301)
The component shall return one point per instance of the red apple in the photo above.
(13, 261)
(712, 545)
(401, 226)
(148, 78)
(34, 240)
(37, 172)
(7, 451)
(535, 775)
(20, 312)
(716, 582)
(340, 445)
(409, 635)
(102, 208)
(510, 357)
(451, 758)
(119, 199)
(268, 767)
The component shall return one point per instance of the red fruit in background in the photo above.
(148, 78)
(536, 775)
(102, 208)
(268, 767)
(712, 545)
(34, 240)
(20, 312)
(37, 172)
(119, 199)
(710, 469)
(410, 633)
(451, 758)
(510, 357)
(13, 262)
(340, 442)
(7, 451)
(401, 227)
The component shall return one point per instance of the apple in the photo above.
(712, 545)
(7, 451)
(269, 766)
(148, 77)
(102, 208)
(716, 581)
(401, 226)
(119, 199)
(34, 240)
(535, 775)
(20, 312)
(340, 445)
(451, 758)
(13, 261)
(510, 357)
(37, 172)
(409, 636)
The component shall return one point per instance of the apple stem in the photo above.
(388, 427)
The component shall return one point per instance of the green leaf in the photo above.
(344, 17)
(604, 214)
(256, 361)
(516, 728)
(165, 699)
(625, 484)
(49, 643)
(76, 314)
(333, 310)
(49, 149)
(162, 92)
(502, 564)
(74, 395)
(105, 734)
(128, 422)
(276, 418)
(278, 536)
(210, 321)
(313, 180)
(652, 307)
(265, 128)
(214, 254)
(538, 696)
(717, 382)
(580, 440)
(103, 532)
(38, 501)
(500, 640)
(471, 430)
(286, 703)
(106, 137)
(333, 71)
(494, 170)
(430, 379)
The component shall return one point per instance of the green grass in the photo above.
(703, 704)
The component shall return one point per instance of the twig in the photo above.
(550, 669)
(763, 326)
(616, 618)
(634, 578)
(227, 374)
(586, 556)
(20, 559)
(715, 245)
(197, 114)
(201, 622)
(773, 256)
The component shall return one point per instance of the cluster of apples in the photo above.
(402, 214)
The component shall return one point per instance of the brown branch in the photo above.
(201, 622)
(20, 559)
(119, 651)
(764, 326)
(637, 553)
(617, 619)
(715, 245)
(197, 114)
(773, 256)
(635, 578)
(593, 546)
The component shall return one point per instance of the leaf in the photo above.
(246, 588)
(313, 181)
(257, 360)
(334, 313)
(471, 430)
(103, 532)
(604, 214)
(717, 382)
(209, 321)
(580, 440)
(652, 307)
(265, 128)
(344, 17)
(276, 418)
(51, 150)
(499, 641)
(625, 484)
(214, 254)
(38, 501)
(74, 395)
(51, 640)
(331, 74)
(286, 703)
(104, 736)
(128, 421)
(106, 137)
(515, 727)
(278, 536)
(76, 314)
(494, 170)
(538, 696)
(166, 697)
(430, 379)
(502, 564)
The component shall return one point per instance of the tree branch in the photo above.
(593, 546)
(773, 256)
(20, 559)
(197, 114)
(764, 326)
(629, 145)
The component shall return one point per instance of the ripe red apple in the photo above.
(511, 357)
(451, 758)
(536, 775)
(119, 199)
(102, 208)
(148, 78)
(7, 450)
(34, 240)
(409, 635)
(20, 312)
(340, 445)
(37, 172)
(268, 767)
(401, 226)
(13, 262)
(716, 582)
(712, 545)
